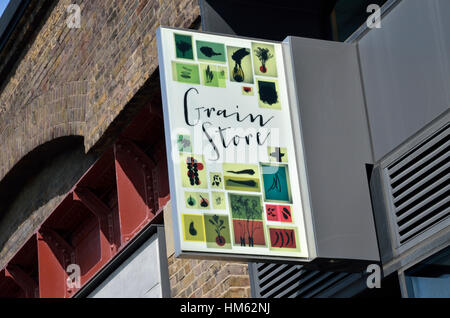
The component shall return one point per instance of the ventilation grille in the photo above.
(293, 281)
(419, 186)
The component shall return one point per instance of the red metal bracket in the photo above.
(91, 201)
(115, 199)
(99, 209)
(56, 242)
(135, 188)
(25, 282)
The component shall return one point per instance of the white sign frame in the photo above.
(167, 53)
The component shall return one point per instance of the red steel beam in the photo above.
(100, 210)
(135, 188)
(141, 187)
(25, 282)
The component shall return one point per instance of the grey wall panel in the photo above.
(406, 71)
(138, 277)
(421, 224)
(212, 21)
(337, 147)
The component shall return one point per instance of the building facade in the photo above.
(83, 168)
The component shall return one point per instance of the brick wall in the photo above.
(198, 278)
(76, 81)
(71, 82)
(39, 196)
(208, 279)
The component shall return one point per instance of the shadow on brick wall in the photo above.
(35, 185)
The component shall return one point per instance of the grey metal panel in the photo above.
(295, 281)
(363, 29)
(406, 71)
(422, 222)
(163, 264)
(337, 147)
(426, 180)
(136, 276)
(142, 274)
(212, 21)
(384, 229)
(425, 159)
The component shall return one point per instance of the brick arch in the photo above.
(26, 201)
(56, 113)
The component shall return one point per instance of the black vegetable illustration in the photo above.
(219, 227)
(263, 55)
(186, 72)
(268, 93)
(238, 72)
(183, 47)
(192, 229)
(271, 212)
(279, 240)
(276, 184)
(204, 203)
(209, 75)
(209, 52)
(277, 154)
(193, 167)
(249, 183)
(287, 235)
(286, 214)
(216, 180)
(247, 209)
(191, 201)
(246, 171)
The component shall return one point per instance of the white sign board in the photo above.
(234, 175)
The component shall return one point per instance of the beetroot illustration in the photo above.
(263, 55)
(219, 227)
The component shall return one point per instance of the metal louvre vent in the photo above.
(293, 281)
(419, 186)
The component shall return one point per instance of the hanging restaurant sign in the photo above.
(233, 165)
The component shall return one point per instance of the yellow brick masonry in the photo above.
(208, 279)
(76, 81)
